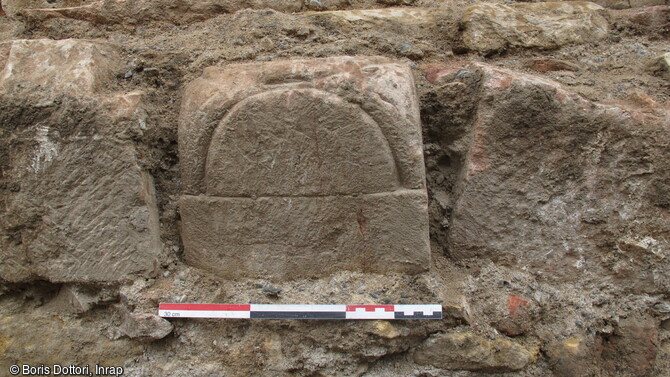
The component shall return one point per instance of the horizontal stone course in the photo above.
(301, 237)
(546, 25)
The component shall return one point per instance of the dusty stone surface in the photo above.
(278, 237)
(55, 68)
(654, 21)
(181, 11)
(467, 351)
(78, 207)
(625, 4)
(609, 318)
(52, 231)
(75, 299)
(572, 356)
(144, 327)
(303, 143)
(632, 347)
(408, 16)
(662, 65)
(492, 27)
(573, 194)
(547, 65)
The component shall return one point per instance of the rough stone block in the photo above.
(85, 212)
(662, 65)
(60, 67)
(141, 11)
(301, 168)
(496, 27)
(468, 351)
(559, 185)
(425, 17)
(77, 206)
(626, 4)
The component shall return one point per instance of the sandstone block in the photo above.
(468, 351)
(85, 212)
(625, 4)
(662, 65)
(139, 11)
(497, 27)
(651, 17)
(51, 68)
(288, 165)
(551, 181)
(77, 206)
(396, 16)
(573, 356)
(35, 335)
(144, 327)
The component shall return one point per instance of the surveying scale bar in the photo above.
(271, 311)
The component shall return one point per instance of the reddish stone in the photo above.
(632, 347)
(439, 71)
(514, 302)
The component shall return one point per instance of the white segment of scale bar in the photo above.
(204, 314)
(411, 309)
(297, 308)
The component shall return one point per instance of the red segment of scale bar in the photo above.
(219, 307)
(370, 308)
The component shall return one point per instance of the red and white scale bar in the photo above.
(270, 311)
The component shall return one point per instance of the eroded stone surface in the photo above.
(582, 184)
(77, 205)
(178, 11)
(144, 327)
(314, 160)
(85, 212)
(53, 68)
(624, 4)
(662, 65)
(128, 11)
(75, 299)
(496, 27)
(468, 351)
(399, 16)
(281, 237)
(59, 341)
(632, 348)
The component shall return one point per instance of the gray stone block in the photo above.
(303, 168)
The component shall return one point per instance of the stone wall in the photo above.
(508, 161)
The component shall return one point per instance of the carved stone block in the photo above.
(302, 168)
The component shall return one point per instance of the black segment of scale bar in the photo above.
(298, 315)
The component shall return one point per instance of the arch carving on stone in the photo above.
(302, 168)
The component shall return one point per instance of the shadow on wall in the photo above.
(2, 12)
